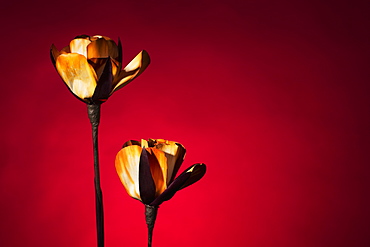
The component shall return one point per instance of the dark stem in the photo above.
(94, 116)
(150, 217)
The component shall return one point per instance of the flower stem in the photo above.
(150, 217)
(94, 116)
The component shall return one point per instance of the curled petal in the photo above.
(98, 65)
(144, 143)
(130, 143)
(116, 68)
(104, 85)
(65, 50)
(79, 46)
(147, 183)
(82, 36)
(119, 58)
(180, 156)
(77, 73)
(54, 53)
(196, 172)
(158, 167)
(95, 37)
(102, 48)
(188, 177)
(132, 70)
(175, 153)
(127, 166)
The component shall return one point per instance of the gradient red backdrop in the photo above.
(271, 95)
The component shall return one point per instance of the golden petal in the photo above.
(144, 143)
(79, 46)
(65, 50)
(171, 150)
(116, 68)
(98, 65)
(54, 53)
(77, 73)
(158, 167)
(102, 48)
(95, 37)
(127, 166)
(132, 70)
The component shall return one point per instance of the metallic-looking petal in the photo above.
(196, 171)
(116, 68)
(130, 143)
(175, 153)
(127, 166)
(79, 46)
(188, 177)
(147, 184)
(54, 53)
(65, 50)
(144, 143)
(132, 70)
(119, 58)
(104, 84)
(158, 167)
(180, 156)
(99, 37)
(77, 73)
(98, 65)
(102, 48)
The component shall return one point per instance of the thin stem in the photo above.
(94, 116)
(150, 217)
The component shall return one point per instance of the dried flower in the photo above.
(147, 170)
(91, 67)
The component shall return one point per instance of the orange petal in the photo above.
(77, 73)
(172, 152)
(79, 46)
(54, 53)
(127, 166)
(65, 50)
(158, 168)
(116, 68)
(102, 48)
(132, 70)
(144, 143)
(98, 64)
(95, 37)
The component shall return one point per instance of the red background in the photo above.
(271, 95)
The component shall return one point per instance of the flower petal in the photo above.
(175, 153)
(188, 177)
(158, 167)
(196, 172)
(95, 37)
(65, 50)
(98, 65)
(119, 58)
(104, 85)
(127, 166)
(79, 46)
(132, 70)
(77, 73)
(146, 181)
(102, 48)
(130, 143)
(54, 53)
